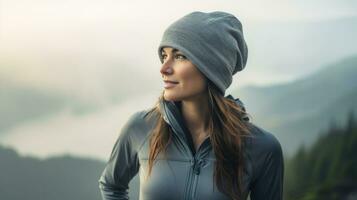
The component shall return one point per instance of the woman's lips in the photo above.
(170, 84)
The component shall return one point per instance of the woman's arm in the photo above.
(268, 185)
(122, 166)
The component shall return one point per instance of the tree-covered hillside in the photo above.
(328, 169)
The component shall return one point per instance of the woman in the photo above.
(195, 143)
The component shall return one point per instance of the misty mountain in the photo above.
(55, 178)
(297, 111)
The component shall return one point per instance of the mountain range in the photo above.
(296, 112)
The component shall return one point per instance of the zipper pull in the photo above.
(196, 168)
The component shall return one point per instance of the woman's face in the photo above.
(189, 81)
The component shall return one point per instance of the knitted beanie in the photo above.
(212, 41)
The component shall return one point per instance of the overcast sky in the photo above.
(41, 39)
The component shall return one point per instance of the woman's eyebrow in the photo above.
(173, 50)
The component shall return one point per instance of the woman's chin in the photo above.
(169, 96)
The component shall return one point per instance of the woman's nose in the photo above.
(166, 68)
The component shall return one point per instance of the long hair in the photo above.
(226, 129)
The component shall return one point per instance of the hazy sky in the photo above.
(41, 39)
(90, 49)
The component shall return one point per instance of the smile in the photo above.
(168, 84)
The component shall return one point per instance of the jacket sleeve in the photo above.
(122, 166)
(268, 185)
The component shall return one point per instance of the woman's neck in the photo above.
(195, 112)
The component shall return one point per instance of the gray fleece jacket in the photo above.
(186, 174)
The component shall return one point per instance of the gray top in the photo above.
(186, 174)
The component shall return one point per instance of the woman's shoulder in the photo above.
(136, 128)
(263, 150)
(262, 146)
(262, 140)
(139, 119)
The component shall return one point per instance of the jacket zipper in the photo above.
(194, 169)
(194, 172)
(191, 180)
(188, 187)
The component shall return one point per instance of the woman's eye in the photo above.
(177, 56)
(180, 56)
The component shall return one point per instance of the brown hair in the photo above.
(226, 129)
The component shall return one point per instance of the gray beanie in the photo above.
(212, 41)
